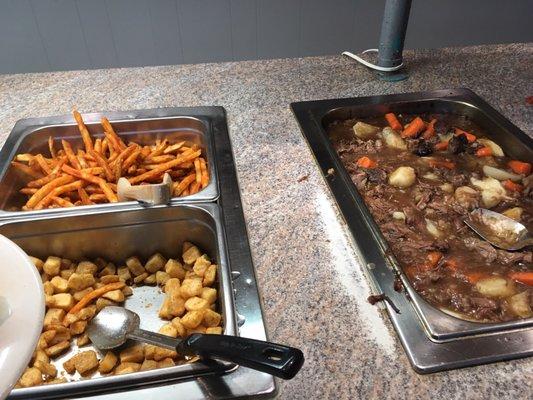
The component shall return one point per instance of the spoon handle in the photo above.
(274, 359)
(153, 338)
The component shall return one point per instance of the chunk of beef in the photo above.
(376, 175)
(515, 257)
(483, 248)
(360, 179)
(457, 144)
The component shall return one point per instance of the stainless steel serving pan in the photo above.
(433, 339)
(142, 126)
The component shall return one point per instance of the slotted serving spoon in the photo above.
(112, 326)
(497, 229)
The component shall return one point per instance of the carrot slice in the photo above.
(430, 129)
(474, 277)
(434, 258)
(484, 152)
(471, 138)
(414, 128)
(393, 122)
(512, 186)
(366, 162)
(520, 167)
(523, 277)
(441, 146)
(441, 164)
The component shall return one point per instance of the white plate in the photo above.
(21, 312)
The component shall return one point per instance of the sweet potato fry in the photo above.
(89, 297)
(205, 175)
(112, 136)
(51, 147)
(27, 170)
(43, 164)
(163, 167)
(28, 190)
(173, 148)
(184, 184)
(62, 202)
(86, 137)
(111, 196)
(102, 163)
(58, 191)
(195, 187)
(37, 183)
(70, 154)
(84, 197)
(43, 191)
(98, 146)
(98, 197)
(25, 158)
(131, 159)
(198, 170)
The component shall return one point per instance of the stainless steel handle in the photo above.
(154, 338)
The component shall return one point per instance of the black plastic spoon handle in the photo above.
(274, 359)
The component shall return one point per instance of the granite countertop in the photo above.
(312, 284)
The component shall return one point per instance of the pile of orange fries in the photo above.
(89, 175)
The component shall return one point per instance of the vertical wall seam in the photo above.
(231, 30)
(84, 36)
(40, 35)
(180, 33)
(112, 34)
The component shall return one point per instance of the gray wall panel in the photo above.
(278, 28)
(21, 48)
(243, 15)
(167, 41)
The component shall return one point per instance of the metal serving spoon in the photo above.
(112, 326)
(497, 229)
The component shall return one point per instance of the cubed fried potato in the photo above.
(192, 275)
(65, 301)
(85, 362)
(83, 340)
(66, 263)
(70, 319)
(164, 311)
(127, 291)
(200, 265)
(52, 266)
(31, 377)
(173, 306)
(127, 368)
(124, 274)
(114, 295)
(215, 330)
(161, 353)
(135, 266)
(165, 363)
(40, 355)
(209, 294)
(169, 330)
(45, 277)
(81, 281)
(140, 278)
(172, 286)
(174, 269)
(60, 337)
(57, 348)
(192, 319)
(109, 279)
(101, 303)
(79, 295)
(133, 353)
(150, 280)
(148, 365)
(108, 363)
(190, 288)
(211, 318)
(66, 273)
(56, 381)
(60, 284)
(69, 366)
(87, 312)
(78, 327)
(180, 329)
(196, 303)
(48, 288)
(198, 329)
(48, 336)
(47, 369)
(86, 267)
(149, 351)
(109, 269)
(161, 278)
(155, 263)
(53, 316)
(191, 254)
(210, 275)
(37, 262)
(49, 301)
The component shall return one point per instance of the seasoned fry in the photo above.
(86, 137)
(102, 163)
(27, 170)
(62, 202)
(131, 159)
(28, 190)
(184, 184)
(42, 192)
(173, 148)
(57, 192)
(84, 197)
(98, 146)
(70, 154)
(42, 181)
(163, 167)
(43, 164)
(111, 135)
(198, 170)
(51, 147)
(205, 176)
(111, 196)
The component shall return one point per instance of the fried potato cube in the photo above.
(87, 313)
(64, 301)
(127, 368)
(87, 267)
(59, 284)
(37, 262)
(56, 380)
(66, 263)
(78, 295)
(108, 363)
(47, 336)
(127, 291)
(31, 377)
(124, 274)
(198, 329)
(59, 337)
(180, 329)
(135, 266)
(196, 303)
(161, 278)
(49, 301)
(215, 330)
(48, 288)
(66, 273)
(79, 281)
(190, 288)
(109, 279)
(209, 294)
(161, 353)
(173, 306)
(174, 269)
(165, 363)
(69, 367)
(133, 353)
(52, 265)
(109, 269)
(70, 319)
(57, 348)
(192, 319)
(200, 265)
(210, 275)
(46, 369)
(78, 327)
(150, 280)
(211, 318)
(191, 254)
(85, 362)
(155, 263)
(114, 295)
(149, 351)
(101, 303)
(169, 330)
(83, 340)
(40, 355)
(148, 365)
(172, 286)
(53, 316)
(140, 278)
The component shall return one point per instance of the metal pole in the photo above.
(393, 28)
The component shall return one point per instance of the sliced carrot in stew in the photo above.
(474, 277)
(520, 167)
(484, 152)
(434, 258)
(471, 138)
(512, 186)
(523, 277)
(452, 264)
(441, 146)
(393, 122)
(366, 162)
(441, 164)
(414, 128)
(430, 129)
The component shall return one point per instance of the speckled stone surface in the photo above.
(313, 289)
